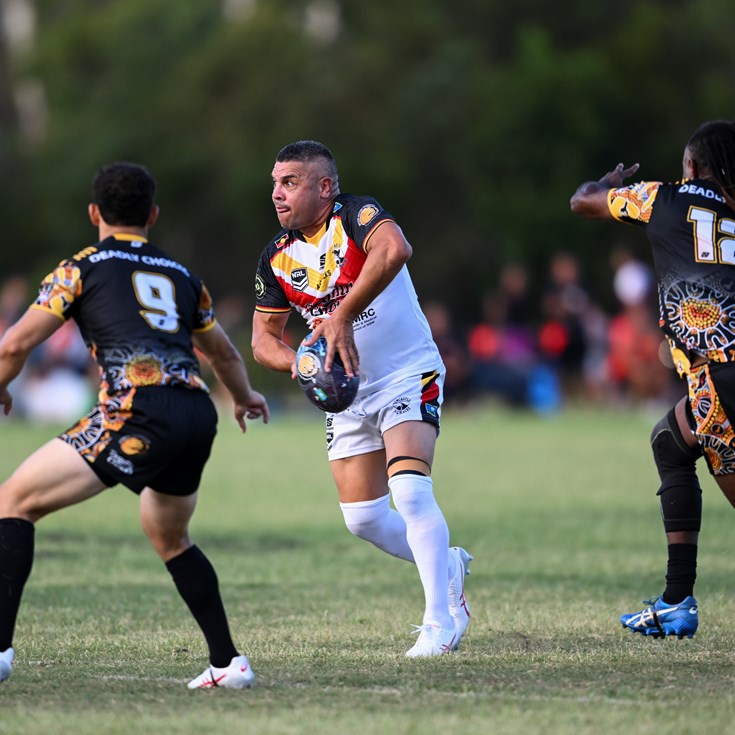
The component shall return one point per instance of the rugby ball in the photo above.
(331, 391)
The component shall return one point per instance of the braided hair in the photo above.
(712, 146)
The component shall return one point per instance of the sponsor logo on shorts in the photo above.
(402, 405)
(299, 279)
(120, 463)
(330, 431)
(134, 444)
(431, 409)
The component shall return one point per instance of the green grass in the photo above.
(559, 512)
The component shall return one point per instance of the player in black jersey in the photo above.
(141, 313)
(691, 228)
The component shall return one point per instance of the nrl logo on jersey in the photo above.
(299, 279)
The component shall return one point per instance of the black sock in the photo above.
(16, 560)
(196, 581)
(681, 572)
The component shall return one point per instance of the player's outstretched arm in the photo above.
(230, 370)
(590, 199)
(30, 330)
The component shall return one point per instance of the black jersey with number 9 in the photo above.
(136, 309)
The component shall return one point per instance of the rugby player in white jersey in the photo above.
(340, 262)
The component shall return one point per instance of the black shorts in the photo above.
(153, 437)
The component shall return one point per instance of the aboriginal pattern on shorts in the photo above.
(713, 427)
(92, 433)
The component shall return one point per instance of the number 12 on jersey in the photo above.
(158, 295)
(707, 226)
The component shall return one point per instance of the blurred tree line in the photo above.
(471, 122)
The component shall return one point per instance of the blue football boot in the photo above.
(662, 619)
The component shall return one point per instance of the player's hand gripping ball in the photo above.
(331, 391)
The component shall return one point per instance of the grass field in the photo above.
(559, 512)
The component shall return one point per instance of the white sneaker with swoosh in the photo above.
(238, 675)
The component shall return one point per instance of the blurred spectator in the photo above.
(451, 348)
(635, 370)
(562, 336)
(501, 345)
(523, 353)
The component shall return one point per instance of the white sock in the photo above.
(376, 522)
(428, 537)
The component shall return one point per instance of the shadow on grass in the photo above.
(70, 544)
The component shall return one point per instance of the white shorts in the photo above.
(359, 429)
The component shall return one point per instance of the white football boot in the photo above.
(459, 608)
(238, 675)
(433, 640)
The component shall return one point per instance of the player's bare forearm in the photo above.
(269, 349)
(247, 402)
(11, 363)
(273, 354)
(231, 372)
(16, 344)
(229, 368)
(590, 199)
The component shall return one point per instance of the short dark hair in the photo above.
(306, 151)
(712, 146)
(125, 194)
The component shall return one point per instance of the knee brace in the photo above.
(680, 494)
